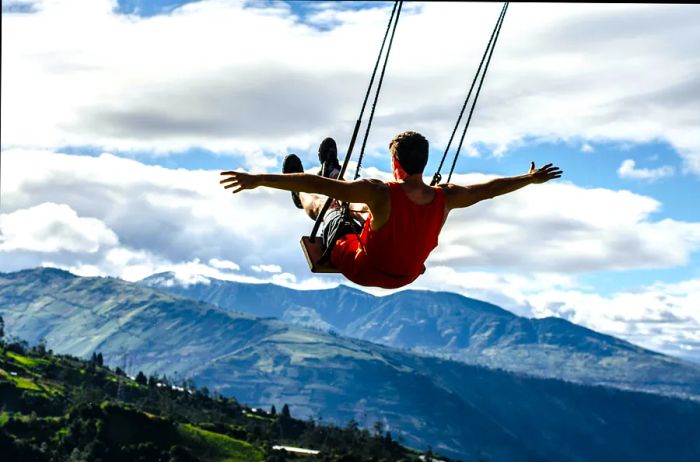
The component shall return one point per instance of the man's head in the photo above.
(410, 149)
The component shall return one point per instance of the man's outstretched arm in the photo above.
(464, 196)
(368, 192)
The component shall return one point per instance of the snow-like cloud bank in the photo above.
(256, 81)
(663, 316)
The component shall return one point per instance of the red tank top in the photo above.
(394, 255)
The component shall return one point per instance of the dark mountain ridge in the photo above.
(452, 326)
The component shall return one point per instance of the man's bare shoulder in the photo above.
(457, 196)
(378, 185)
(452, 189)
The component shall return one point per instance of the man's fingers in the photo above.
(227, 180)
(532, 166)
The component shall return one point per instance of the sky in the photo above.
(117, 118)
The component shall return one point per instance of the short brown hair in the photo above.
(411, 150)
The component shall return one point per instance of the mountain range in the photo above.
(451, 326)
(464, 411)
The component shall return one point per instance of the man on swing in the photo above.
(403, 217)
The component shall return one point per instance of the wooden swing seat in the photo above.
(313, 252)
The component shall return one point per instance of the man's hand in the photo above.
(240, 181)
(544, 174)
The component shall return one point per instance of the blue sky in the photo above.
(115, 124)
(148, 8)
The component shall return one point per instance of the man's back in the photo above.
(393, 254)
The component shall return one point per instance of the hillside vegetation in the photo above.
(62, 408)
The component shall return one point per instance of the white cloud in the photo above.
(267, 268)
(49, 227)
(256, 80)
(505, 289)
(284, 279)
(587, 148)
(560, 227)
(628, 170)
(146, 219)
(224, 264)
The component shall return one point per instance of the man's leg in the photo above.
(312, 204)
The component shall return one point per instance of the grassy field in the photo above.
(26, 360)
(214, 447)
(20, 382)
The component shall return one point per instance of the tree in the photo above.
(141, 379)
(2, 329)
(285, 411)
(41, 346)
(181, 454)
(273, 410)
(352, 425)
(99, 359)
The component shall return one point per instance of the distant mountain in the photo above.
(451, 326)
(463, 411)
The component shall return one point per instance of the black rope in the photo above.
(478, 90)
(326, 206)
(346, 206)
(437, 177)
(376, 95)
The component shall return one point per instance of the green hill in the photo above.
(61, 408)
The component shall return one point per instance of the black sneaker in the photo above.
(329, 170)
(328, 156)
(292, 164)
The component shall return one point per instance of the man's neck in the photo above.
(413, 180)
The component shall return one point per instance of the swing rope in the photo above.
(376, 95)
(488, 53)
(395, 12)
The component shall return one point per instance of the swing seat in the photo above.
(313, 252)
